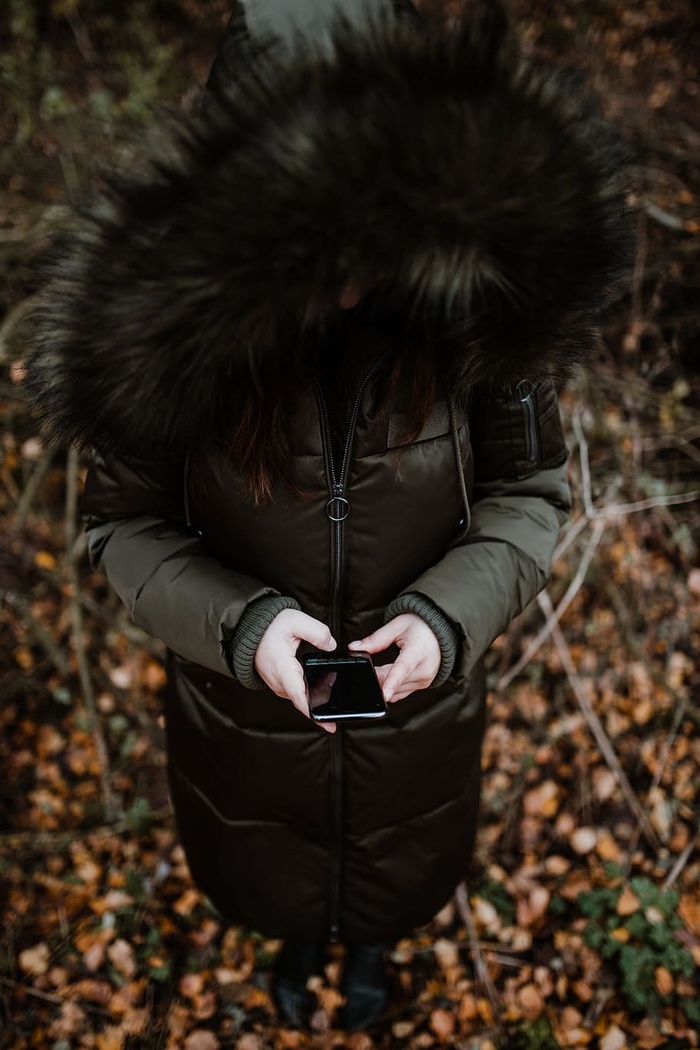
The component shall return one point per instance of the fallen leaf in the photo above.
(583, 840)
(45, 560)
(191, 984)
(446, 953)
(35, 960)
(249, 1041)
(628, 902)
(442, 1023)
(614, 1039)
(402, 1029)
(689, 911)
(201, 1039)
(663, 981)
(121, 955)
(530, 1002)
(542, 800)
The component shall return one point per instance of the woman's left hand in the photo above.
(418, 662)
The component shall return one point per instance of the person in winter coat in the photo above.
(311, 349)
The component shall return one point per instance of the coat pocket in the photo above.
(516, 434)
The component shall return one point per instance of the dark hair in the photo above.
(258, 438)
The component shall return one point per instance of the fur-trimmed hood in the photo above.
(482, 190)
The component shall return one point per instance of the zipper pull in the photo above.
(338, 507)
(523, 393)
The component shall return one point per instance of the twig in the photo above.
(31, 489)
(37, 629)
(584, 465)
(111, 807)
(55, 1000)
(551, 622)
(596, 726)
(677, 868)
(620, 510)
(480, 968)
(47, 841)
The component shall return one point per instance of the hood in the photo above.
(340, 143)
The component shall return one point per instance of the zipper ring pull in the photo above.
(523, 391)
(334, 505)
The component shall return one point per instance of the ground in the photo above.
(580, 923)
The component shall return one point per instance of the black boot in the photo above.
(297, 961)
(364, 986)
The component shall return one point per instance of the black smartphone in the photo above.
(343, 687)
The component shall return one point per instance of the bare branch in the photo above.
(596, 726)
(480, 968)
(111, 806)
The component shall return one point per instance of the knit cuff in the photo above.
(448, 637)
(240, 651)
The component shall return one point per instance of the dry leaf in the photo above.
(689, 911)
(191, 984)
(442, 1023)
(614, 1039)
(121, 955)
(663, 981)
(45, 560)
(249, 1041)
(583, 840)
(530, 1002)
(71, 1022)
(402, 1029)
(543, 800)
(111, 1038)
(35, 960)
(446, 953)
(628, 902)
(201, 1039)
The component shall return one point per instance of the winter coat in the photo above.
(481, 195)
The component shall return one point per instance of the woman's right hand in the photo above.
(276, 660)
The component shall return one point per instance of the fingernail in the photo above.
(388, 696)
(355, 645)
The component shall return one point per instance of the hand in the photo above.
(418, 662)
(276, 661)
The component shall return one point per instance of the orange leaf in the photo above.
(442, 1023)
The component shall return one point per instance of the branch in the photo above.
(37, 629)
(596, 726)
(31, 488)
(482, 974)
(111, 806)
(551, 622)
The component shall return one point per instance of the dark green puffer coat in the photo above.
(491, 206)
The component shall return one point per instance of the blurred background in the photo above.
(581, 925)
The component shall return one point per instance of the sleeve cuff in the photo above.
(448, 637)
(240, 652)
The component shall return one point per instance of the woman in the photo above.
(312, 349)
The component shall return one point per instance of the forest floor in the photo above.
(581, 923)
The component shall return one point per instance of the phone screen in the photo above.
(343, 687)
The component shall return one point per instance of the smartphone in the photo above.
(343, 687)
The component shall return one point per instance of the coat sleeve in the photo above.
(520, 501)
(138, 534)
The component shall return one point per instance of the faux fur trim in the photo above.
(482, 189)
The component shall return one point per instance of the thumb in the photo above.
(380, 640)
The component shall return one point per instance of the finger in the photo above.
(315, 632)
(294, 685)
(401, 672)
(381, 639)
(382, 672)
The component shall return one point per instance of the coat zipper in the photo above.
(338, 509)
(523, 392)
